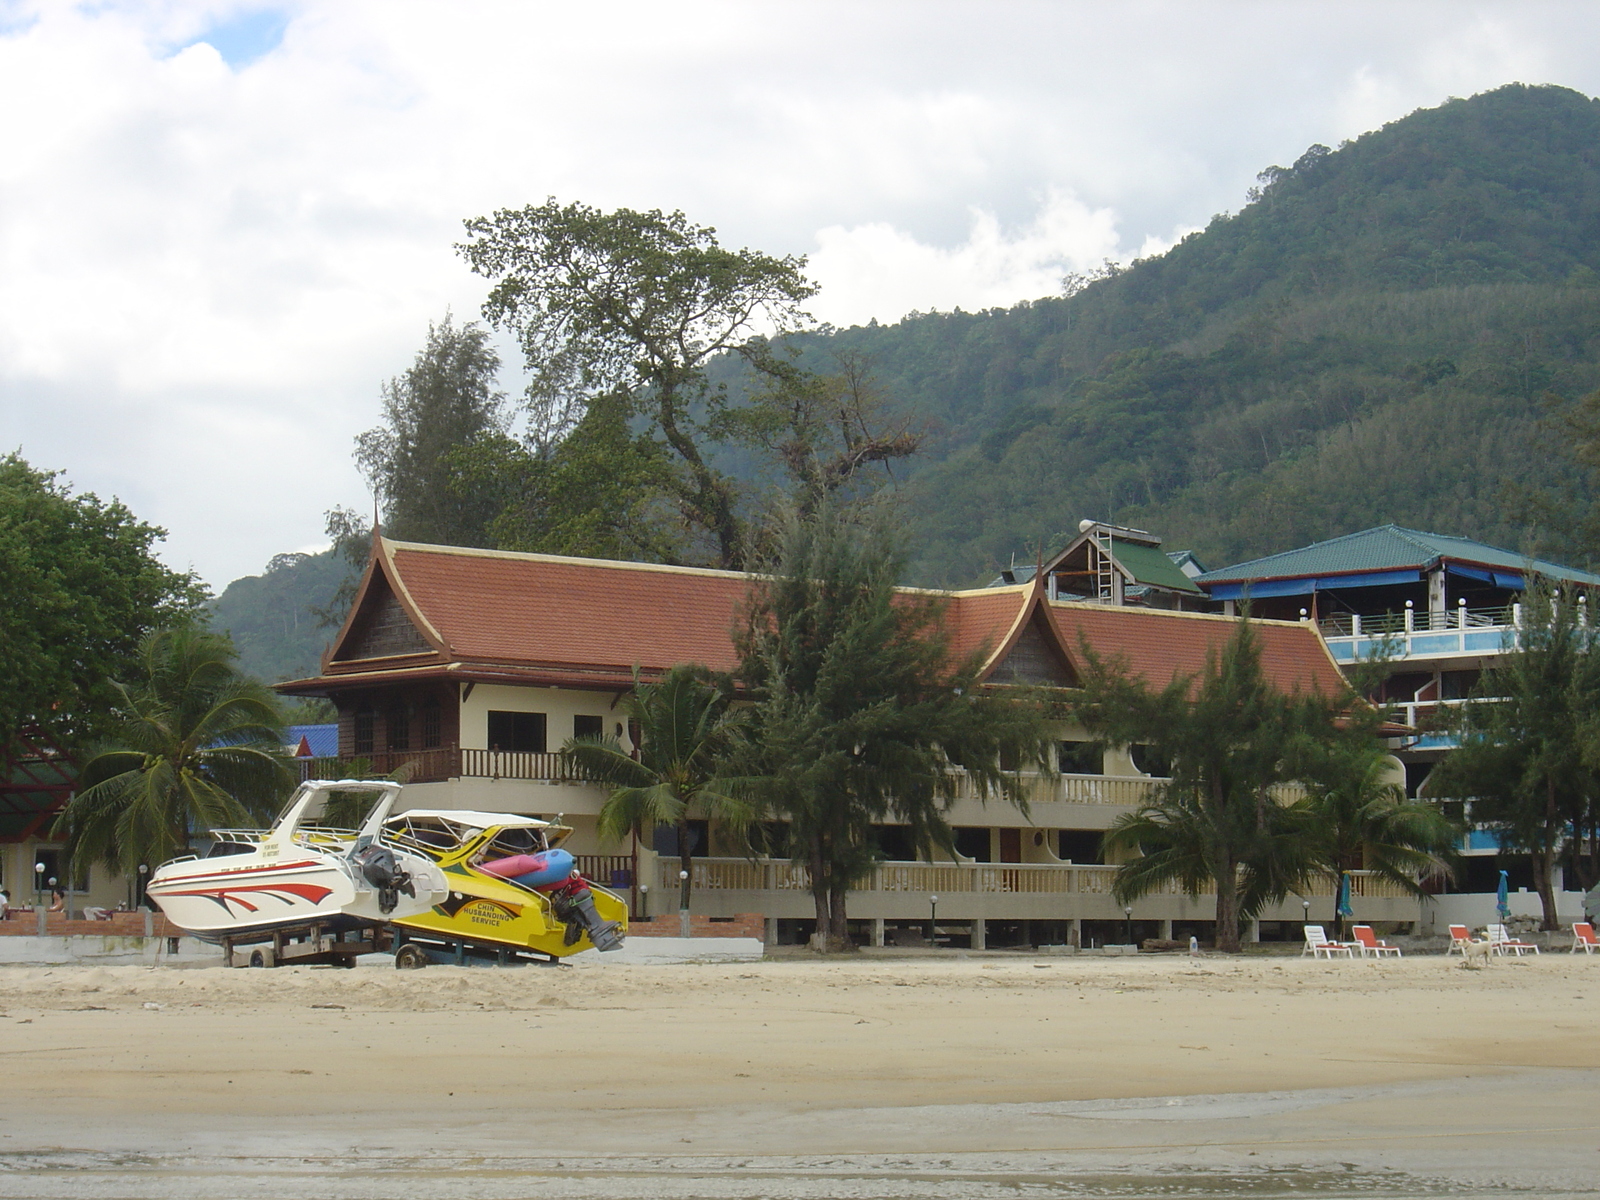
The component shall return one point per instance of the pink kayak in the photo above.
(532, 870)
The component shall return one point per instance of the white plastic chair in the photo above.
(1318, 945)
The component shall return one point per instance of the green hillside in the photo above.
(1370, 339)
(272, 616)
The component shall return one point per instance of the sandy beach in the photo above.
(860, 1077)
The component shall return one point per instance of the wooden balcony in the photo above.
(442, 763)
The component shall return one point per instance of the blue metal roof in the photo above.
(323, 739)
(1389, 548)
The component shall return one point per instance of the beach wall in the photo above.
(744, 925)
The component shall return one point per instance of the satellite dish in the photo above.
(1085, 525)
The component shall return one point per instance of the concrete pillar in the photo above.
(683, 922)
(1075, 932)
(772, 931)
(1252, 931)
(979, 935)
(1164, 930)
(877, 931)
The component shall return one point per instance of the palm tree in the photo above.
(685, 727)
(1220, 823)
(1365, 821)
(198, 746)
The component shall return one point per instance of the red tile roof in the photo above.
(1159, 645)
(545, 619)
(541, 609)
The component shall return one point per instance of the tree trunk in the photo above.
(819, 896)
(1543, 869)
(1228, 908)
(839, 928)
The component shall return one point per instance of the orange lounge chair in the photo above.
(1367, 943)
(1583, 938)
(1460, 938)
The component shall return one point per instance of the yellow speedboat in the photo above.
(492, 902)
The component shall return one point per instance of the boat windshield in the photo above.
(331, 814)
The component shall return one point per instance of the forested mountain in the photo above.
(1378, 335)
(273, 618)
(1371, 339)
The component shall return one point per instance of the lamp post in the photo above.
(1305, 916)
(144, 869)
(1127, 917)
(644, 901)
(933, 917)
(38, 884)
(683, 904)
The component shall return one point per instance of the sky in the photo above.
(224, 224)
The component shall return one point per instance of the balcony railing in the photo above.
(444, 762)
(942, 879)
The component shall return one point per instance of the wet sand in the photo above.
(867, 1077)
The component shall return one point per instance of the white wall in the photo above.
(559, 705)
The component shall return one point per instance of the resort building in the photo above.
(1438, 610)
(471, 668)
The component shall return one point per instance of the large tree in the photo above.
(195, 746)
(81, 585)
(634, 305)
(860, 712)
(1221, 822)
(442, 405)
(1529, 758)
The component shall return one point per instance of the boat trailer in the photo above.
(311, 944)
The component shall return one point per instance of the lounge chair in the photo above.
(1501, 942)
(1583, 938)
(1367, 943)
(1460, 938)
(1318, 945)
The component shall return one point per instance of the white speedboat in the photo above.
(301, 871)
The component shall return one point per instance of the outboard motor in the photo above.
(573, 903)
(382, 870)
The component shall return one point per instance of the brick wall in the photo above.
(126, 924)
(745, 925)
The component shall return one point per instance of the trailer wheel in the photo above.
(263, 958)
(410, 958)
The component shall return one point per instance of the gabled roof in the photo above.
(1138, 555)
(1158, 645)
(542, 619)
(1151, 566)
(1387, 548)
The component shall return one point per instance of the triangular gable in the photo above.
(1035, 658)
(1031, 652)
(382, 623)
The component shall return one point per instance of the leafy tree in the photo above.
(685, 729)
(444, 402)
(195, 746)
(602, 492)
(1232, 740)
(859, 711)
(81, 587)
(1529, 754)
(634, 305)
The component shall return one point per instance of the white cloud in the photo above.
(212, 253)
(878, 271)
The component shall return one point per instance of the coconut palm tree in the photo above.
(685, 726)
(197, 746)
(1364, 820)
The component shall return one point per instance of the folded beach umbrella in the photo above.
(1344, 895)
(1501, 899)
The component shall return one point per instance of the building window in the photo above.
(432, 725)
(1151, 761)
(517, 732)
(399, 729)
(1082, 758)
(588, 727)
(362, 730)
(972, 841)
(1082, 846)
